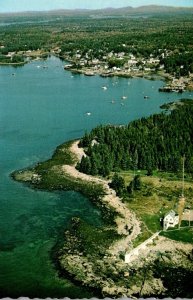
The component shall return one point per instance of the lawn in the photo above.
(158, 195)
(183, 234)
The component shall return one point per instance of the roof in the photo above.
(171, 213)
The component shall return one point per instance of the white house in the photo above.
(170, 220)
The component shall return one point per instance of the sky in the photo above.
(39, 5)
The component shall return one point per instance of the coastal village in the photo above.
(127, 66)
(112, 64)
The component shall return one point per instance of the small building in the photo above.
(170, 220)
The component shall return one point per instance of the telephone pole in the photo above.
(181, 203)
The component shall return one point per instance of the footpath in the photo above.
(133, 254)
(127, 223)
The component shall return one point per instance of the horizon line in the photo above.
(92, 9)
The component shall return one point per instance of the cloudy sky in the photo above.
(26, 5)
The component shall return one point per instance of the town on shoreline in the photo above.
(128, 67)
(153, 44)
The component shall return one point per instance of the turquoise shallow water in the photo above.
(41, 106)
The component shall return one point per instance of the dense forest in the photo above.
(180, 64)
(155, 143)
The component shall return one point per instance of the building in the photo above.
(170, 220)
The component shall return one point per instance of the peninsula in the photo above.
(130, 254)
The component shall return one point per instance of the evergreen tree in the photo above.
(118, 184)
(85, 165)
(137, 182)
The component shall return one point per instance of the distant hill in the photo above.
(123, 11)
(149, 9)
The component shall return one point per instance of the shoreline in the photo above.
(74, 262)
(126, 217)
(172, 84)
(104, 269)
(13, 64)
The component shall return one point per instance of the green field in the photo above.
(183, 235)
(158, 195)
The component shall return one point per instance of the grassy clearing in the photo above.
(183, 234)
(158, 195)
(152, 222)
(144, 235)
(61, 156)
(154, 198)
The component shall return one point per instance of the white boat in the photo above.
(89, 73)
(104, 87)
(124, 97)
(88, 113)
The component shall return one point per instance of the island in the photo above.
(140, 177)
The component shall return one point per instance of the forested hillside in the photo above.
(157, 142)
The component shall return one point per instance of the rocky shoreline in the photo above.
(116, 279)
(106, 269)
(94, 257)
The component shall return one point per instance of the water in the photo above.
(28, 22)
(41, 106)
